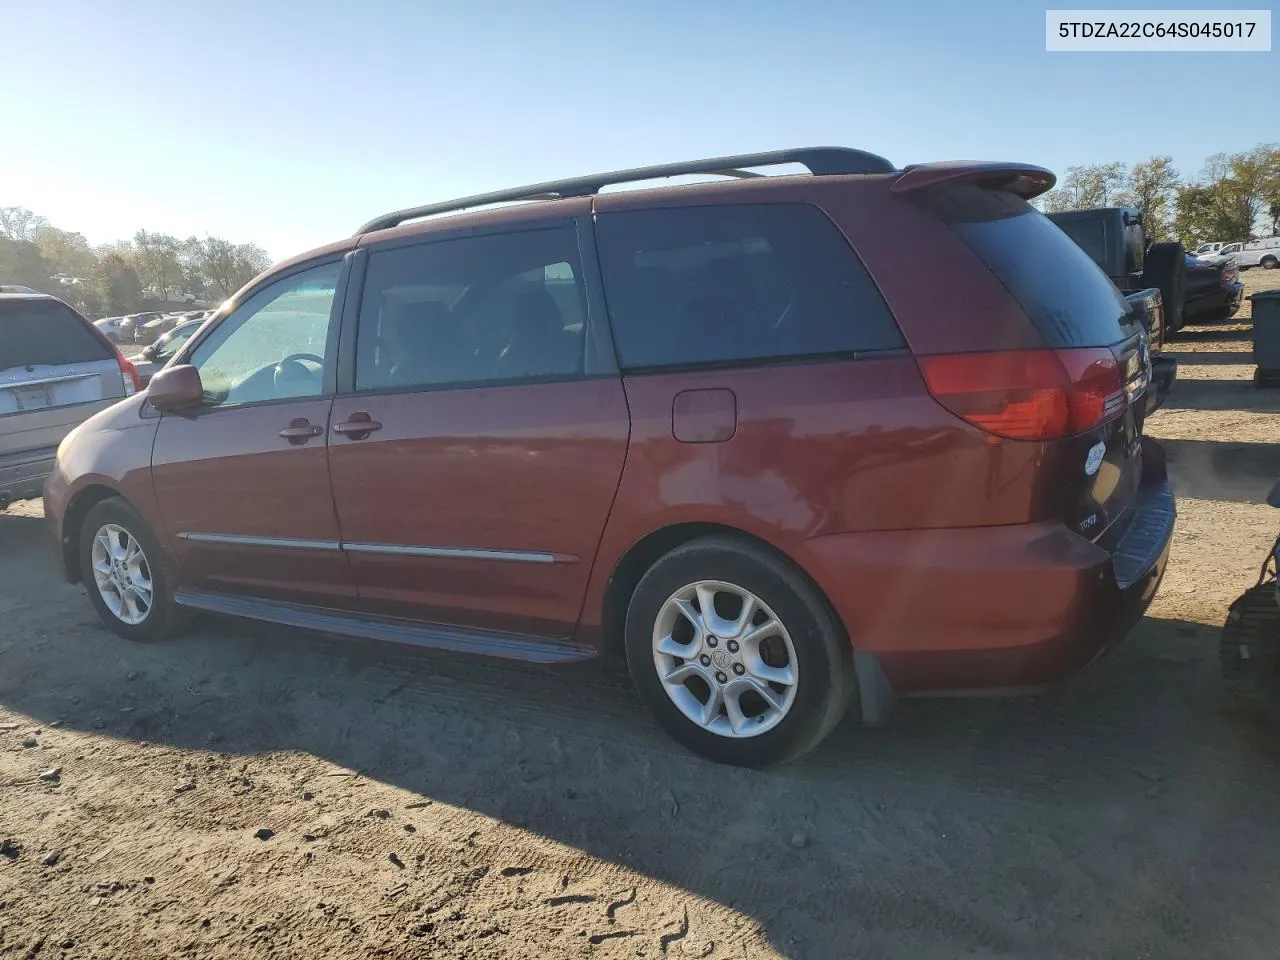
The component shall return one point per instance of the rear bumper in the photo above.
(1224, 299)
(1235, 296)
(995, 607)
(22, 475)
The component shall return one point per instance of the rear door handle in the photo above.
(300, 431)
(358, 427)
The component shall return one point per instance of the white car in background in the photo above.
(110, 326)
(1263, 253)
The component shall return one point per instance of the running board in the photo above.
(436, 636)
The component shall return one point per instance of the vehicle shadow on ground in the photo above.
(898, 825)
(1199, 334)
(1209, 357)
(1221, 470)
(1213, 394)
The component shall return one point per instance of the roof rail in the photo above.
(821, 161)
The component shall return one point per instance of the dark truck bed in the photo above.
(1152, 277)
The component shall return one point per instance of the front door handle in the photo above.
(359, 426)
(300, 431)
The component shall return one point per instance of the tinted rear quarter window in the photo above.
(1064, 293)
(737, 284)
(35, 332)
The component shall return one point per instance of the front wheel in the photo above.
(126, 573)
(736, 654)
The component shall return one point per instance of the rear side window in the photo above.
(488, 309)
(1089, 235)
(1066, 295)
(34, 332)
(737, 284)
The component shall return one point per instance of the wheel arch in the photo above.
(875, 697)
(84, 500)
(645, 552)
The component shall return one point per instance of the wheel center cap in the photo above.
(721, 659)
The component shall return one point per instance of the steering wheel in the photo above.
(292, 373)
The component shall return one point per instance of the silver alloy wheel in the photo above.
(725, 659)
(121, 573)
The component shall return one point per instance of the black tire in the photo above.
(1165, 267)
(1269, 263)
(164, 618)
(823, 655)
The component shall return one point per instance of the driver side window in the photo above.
(274, 345)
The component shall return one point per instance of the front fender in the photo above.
(107, 455)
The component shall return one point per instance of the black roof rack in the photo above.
(821, 161)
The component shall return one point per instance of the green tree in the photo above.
(1196, 219)
(225, 267)
(21, 263)
(1056, 200)
(115, 284)
(156, 256)
(1085, 186)
(19, 223)
(67, 253)
(1151, 187)
(1095, 185)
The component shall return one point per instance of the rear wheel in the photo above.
(126, 573)
(736, 655)
(1270, 263)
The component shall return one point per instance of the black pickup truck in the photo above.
(1214, 290)
(1153, 277)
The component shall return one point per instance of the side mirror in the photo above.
(1273, 498)
(176, 388)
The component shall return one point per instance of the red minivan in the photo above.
(792, 440)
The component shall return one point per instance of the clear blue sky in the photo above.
(291, 123)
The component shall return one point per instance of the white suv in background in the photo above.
(56, 371)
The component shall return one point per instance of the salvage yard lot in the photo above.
(429, 805)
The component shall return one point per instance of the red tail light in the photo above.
(1028, 394)
(128, 373)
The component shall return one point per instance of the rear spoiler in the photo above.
(1023, 179)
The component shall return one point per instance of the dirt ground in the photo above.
(430, 805)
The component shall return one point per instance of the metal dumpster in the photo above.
(1266, 338)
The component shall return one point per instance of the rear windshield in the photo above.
(1089, 235)
(1066, 295)
(34, 332)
